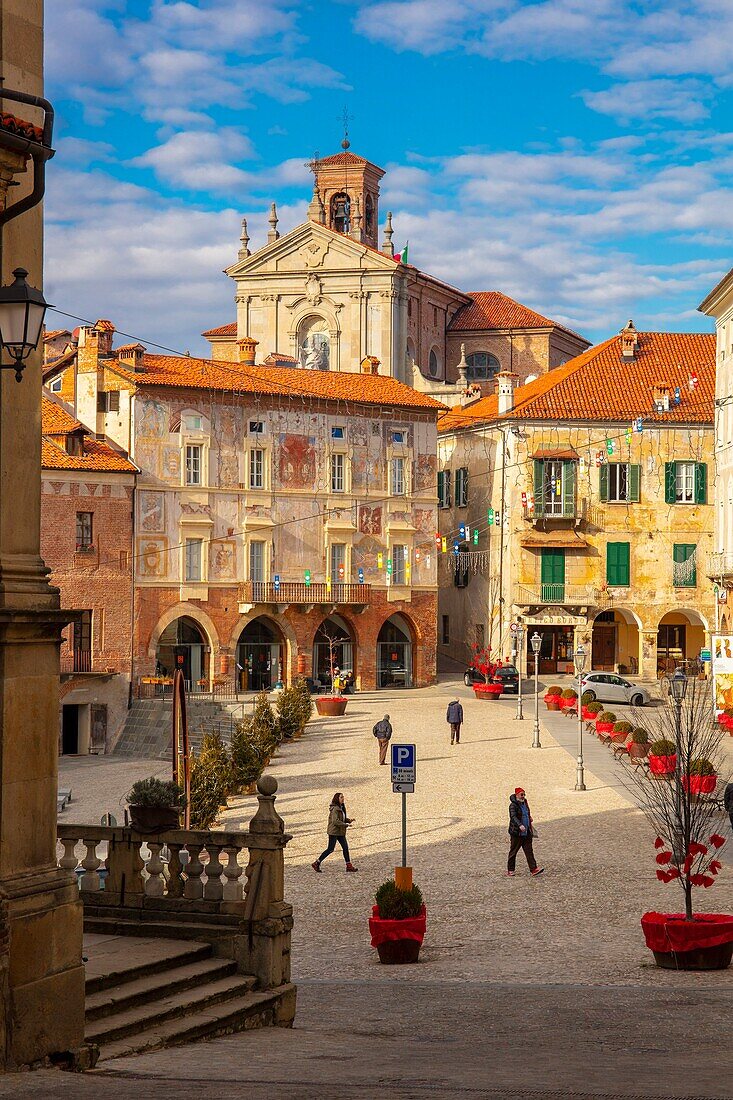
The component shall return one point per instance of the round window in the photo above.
(433, 364)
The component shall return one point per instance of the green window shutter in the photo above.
(603, 482)
(539, 487)
(618, 564)
(441, 482)
(465, 485)
(568, 488)
(458, 487)
(681, 552)
(670, 482)
(634, 482)
(701, 483)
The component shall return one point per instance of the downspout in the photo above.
(39, 152)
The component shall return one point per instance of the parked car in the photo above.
(507, 675)
(607, 687)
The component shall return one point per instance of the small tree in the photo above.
(481, 661)
(246, 756)
(686, 842)
(212, 781)
(288, 712)
(305, 703)
(264, 727)
(333, 642)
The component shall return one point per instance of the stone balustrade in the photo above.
(225, 886)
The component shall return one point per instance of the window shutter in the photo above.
(611, 562)
(618, 564)
(625, 563)
(465, 485)
(539, 487)
(603, 482)
(568, 488)
(447, 489)
(701, 483)
(441, 487)
(670, 482)
(634, 482)
(458, 487)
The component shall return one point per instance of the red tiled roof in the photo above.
(222, 330)
(19, 126)
(345, 159)
(599, 385)
(54, 333)
(104, 325)
(490, 309)
(97, 455)
(170, 370)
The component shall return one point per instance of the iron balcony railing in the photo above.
(719, 565)
(80, 660)
(564, 594)
(297, 592)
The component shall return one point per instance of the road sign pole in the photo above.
(404, 830)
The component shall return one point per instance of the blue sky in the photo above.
(575, 154)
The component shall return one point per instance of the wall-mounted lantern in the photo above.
(22, 309)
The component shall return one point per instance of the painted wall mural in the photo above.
(151, 511)
(370, 519)
(297, 461)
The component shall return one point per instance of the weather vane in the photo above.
(345, 119)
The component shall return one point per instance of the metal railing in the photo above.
(719, 565)
(79, 661)
(297, 592)
(565, 594)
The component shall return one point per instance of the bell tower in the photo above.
(347, 194)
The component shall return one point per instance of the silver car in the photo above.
(607, 687)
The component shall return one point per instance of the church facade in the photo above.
(327, 295)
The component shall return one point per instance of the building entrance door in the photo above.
(604, 647)
(70, 730)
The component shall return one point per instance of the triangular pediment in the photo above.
(312, 247)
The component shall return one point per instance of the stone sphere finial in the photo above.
(267, 784)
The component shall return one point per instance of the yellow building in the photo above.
(580, 505)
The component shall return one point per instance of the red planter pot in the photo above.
(568, 704)
(588, 715)
(663, 766)
(604, 727)
(487, 691)
(704, 943)
(637, 752)
(331, 706)
(700, 784)
(397, 941)
(552, 702)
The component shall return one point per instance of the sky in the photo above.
(574, 154)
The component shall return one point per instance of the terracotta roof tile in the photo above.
(599, 385)
(490, 309)
(347, 158)
(222, 330)
(55, 420)
(169, 370)
(56, 332)
(97, 455)
(19, 126)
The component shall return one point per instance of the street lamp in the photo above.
(677, 692)
(22, 309)
(579, 666)
(536, 642)
(520, 646)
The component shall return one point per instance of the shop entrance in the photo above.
(259, 656)
(394, 654)
(183, 645)
(333, 632)
(70, 729)
(556, 651)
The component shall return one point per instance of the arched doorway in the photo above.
(332, 632)
(616, 641)
(680, 637)
(394, 653)
(183, 645)
(260, 656)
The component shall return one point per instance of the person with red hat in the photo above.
(521, 833)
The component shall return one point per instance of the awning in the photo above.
(557, 452)
(566, 540)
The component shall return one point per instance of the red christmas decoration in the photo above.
(664, 857)
(717, 840)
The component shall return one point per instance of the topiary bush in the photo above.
(569, 693)
(212, 780)
(305, 703)
(622, 727)
(587, 697)
(639, 736)
(702, 767)
(288, 713)
(554, 690)
(662, 747)
(397, 904)
(606, 716)
(246, 757)
(156, 792)
(594, 708)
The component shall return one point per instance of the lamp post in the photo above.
(536, 642)
(520, 646)
(22, 309)
(678, 691)
(579, 666)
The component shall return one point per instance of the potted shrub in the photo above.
(662, 758)
(481, 661)
(701, 777)
(620, 732)
(568, 699)
(212, 781)
(155, 805)
(687, 846)
(333, 705)
(592, 710)
(725, 718)
(552, 697)
(605, 722)
(397, 923)
(638, 744)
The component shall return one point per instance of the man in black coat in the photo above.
(383, 731)
(454, 716)
(521, 833)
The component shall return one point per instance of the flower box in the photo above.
(397, 941)
(331, 706)
(662, 766)
(700, 784)
(487, 691)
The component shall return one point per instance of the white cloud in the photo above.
(647, 100)
(200, 160)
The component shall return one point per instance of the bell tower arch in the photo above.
(348, 188)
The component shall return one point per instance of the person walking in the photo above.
(454, 716)
(383, 731)
(521, 833)
(338, 823)
(728, 802)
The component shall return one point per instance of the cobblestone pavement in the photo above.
(538, 987)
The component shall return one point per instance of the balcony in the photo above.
(562, 595)
(297, 592)
(719, 567)
(580, 511)
(81, 663)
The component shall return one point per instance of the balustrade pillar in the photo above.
(213, 889)
(194, 888)
(90, 882)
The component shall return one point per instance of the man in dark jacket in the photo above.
(383, 731)
(454, 716)
(521, 833)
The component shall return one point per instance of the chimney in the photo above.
(370, 365)
(660, 394)
(505, 391)
(629, 342)
(247, 347)
(131, 355)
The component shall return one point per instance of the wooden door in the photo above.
(604, 647)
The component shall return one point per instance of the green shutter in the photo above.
(441, 483)
(701, 483)
(458, 487)
(603, 482)
(553, 576)
(634, 482)
(618, 564)
(465, 485)
(539, 487)
(670, 482)
(568, 488)
(681, 551)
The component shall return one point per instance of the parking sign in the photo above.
(403, 763)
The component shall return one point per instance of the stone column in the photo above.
(648, 663)
(41, 972)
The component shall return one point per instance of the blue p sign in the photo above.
(403, 763)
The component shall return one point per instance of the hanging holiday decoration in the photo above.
(471, 561)
(437, 541)
(497, 518)
(307, 578)
(475, 536)
(490, 517)
(462, 531)
(341, 572)
(677, 395)
(692, 381)
(524, 500)
(328, 584)
(427, 560)
(380, 559)
(581, 464)
(417, 554)
(456, 546)
(609, 446)
(628, 436)
(408, 571)
(444, 545)
(361, 576)
(600, 458)
(638, 424)
(389, 567)
(405, 552)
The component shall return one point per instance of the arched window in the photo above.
(433, 364)
(481, 365)
(314, 347)
(340, 212)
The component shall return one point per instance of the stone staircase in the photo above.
(147, 730)
(143, 994)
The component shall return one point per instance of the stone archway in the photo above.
(184, 644)
(396, 652)
(616, 641)
(182, 610)
(681, 634)
(333, 630)
(261, 655)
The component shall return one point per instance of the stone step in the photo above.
(151, 987)
(253, 1010)
(161, 913)
(110, 926)
(126, 965)
(187, 1002)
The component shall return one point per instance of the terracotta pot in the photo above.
(300, 664)
(331, 705)
(154, 819)
(398, 952)
(604, 727)
(566, 704)
(702, 958)
(487, 691)
(552, 702)
(662, 767)
(700, 784)
(637, 752)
